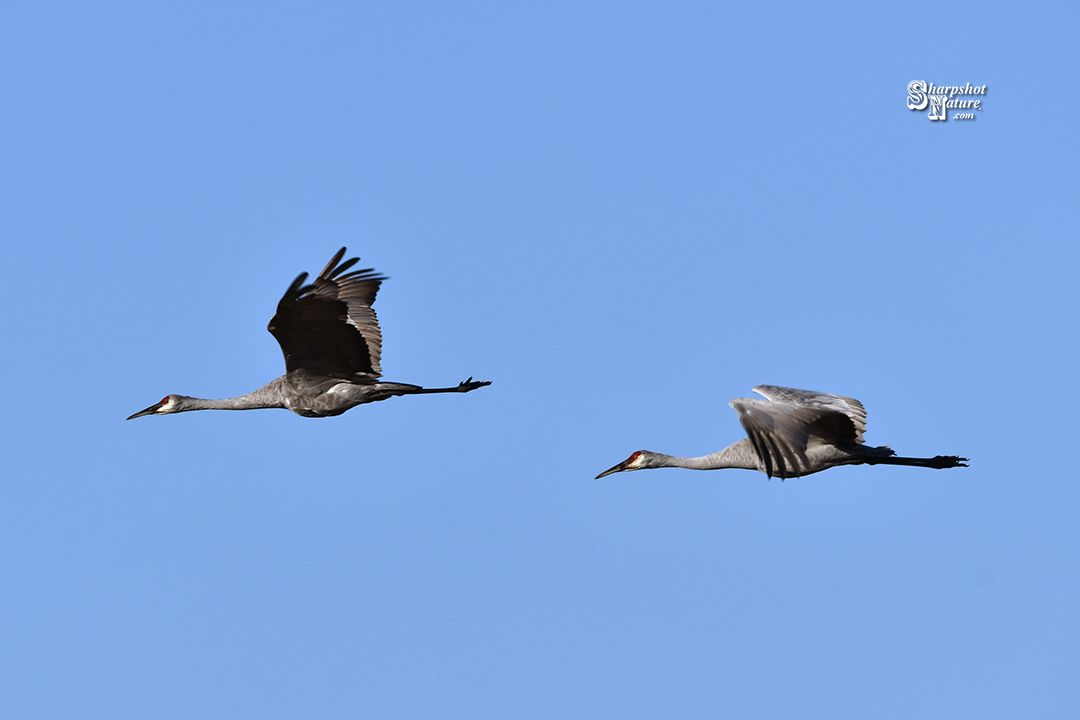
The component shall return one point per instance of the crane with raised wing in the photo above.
(332, 344)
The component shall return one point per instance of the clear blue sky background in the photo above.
(624, 215)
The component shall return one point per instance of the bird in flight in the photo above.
(790, 434)
(332, 344)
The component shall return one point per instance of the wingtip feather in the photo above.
(333, 262)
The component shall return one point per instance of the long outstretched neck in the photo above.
(264, 397)
(740, 455)
(268, 396)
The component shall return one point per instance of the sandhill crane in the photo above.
(332, 345)
(792, 433)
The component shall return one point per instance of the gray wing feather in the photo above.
(358, 290)
(819, 401)
(779, 433)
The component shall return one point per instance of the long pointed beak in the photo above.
(148, 411)
(618, 468)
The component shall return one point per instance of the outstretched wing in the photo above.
(328, 327)
(850, 407)
(781, 427)
(779, 433)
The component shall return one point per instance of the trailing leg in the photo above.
(938, 462)
(464, 387)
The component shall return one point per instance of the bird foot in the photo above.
(471, 384)
(948, 461)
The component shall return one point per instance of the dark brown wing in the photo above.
(328, 327)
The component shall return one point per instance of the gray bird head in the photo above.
(169, 404)
(638, 461)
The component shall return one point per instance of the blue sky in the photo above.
(624, 215)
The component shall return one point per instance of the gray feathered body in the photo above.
(326, 397)
(801, 432)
